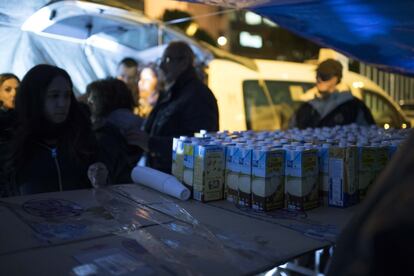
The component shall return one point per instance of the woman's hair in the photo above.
(108, 95)
(29, 108)
(7, 76)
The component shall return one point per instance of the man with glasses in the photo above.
(331, 107)
(185, 106)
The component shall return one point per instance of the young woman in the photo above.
(53, 145)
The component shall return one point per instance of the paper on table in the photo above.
(160, 181)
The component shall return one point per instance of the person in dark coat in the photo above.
(183, 108)
(111, 106)
(53, 145)
(331, 107)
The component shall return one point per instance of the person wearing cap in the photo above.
(329, 107)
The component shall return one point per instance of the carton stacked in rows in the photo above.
(297, 169)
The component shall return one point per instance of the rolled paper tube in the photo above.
(160, 181)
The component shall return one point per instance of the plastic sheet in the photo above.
(185, 241)
(297, 221)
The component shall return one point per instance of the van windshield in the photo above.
(270, 104)
(382, 110)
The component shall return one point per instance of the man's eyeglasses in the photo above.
(323, 77)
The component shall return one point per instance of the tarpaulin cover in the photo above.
(378, 32)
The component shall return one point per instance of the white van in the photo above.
(266, 98)
(88, 39)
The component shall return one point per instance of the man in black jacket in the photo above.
(331, 107)
(186, 106)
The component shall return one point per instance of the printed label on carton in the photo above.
(178, 167)
(188, 162)
(208, 173)
(343, 185)
(268, 179)
(324, 175)
(232, 173)
(245, 177)
(302, 182)
(366, 169)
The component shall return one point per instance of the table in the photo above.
(130, 230)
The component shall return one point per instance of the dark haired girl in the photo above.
(53, 145)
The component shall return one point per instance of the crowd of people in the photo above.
(52, 141)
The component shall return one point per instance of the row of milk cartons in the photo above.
(298, 169)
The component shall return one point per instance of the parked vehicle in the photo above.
(251, 94)
(266, 98)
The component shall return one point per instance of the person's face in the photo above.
(326, 84)
(147, 82)
(57, 100)
(173, 64)
(8, 92)
(129, 75)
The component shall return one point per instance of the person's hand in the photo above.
(138, 138)
(98, 175)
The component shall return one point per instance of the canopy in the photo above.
(379, 32)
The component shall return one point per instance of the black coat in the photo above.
(188, 106)
(7, 123)
(345, 113)
(113, 152)
(47, 169)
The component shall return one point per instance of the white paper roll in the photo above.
(160, 181)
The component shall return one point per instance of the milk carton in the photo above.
(301, 184)
(268, 178)
(174, 156)
(324, 173)
(343, 181)
(226, 148)
(366, 168)
(188, 163)
(232, 172)
(245, 176)
(178, 157)
(381, 159)
(208, 172)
